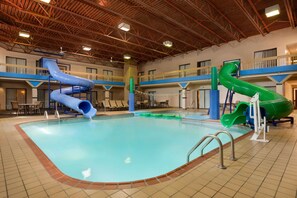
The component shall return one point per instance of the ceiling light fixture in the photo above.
(24, 34)
(46, 1)
(127, 56)
(167, 43)
(86, 48)
(272, 11)
(124, 26)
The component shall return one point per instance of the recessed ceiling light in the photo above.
(86, 48)
(272, 11)
(127, 56)
(24, 34)
(124, 26)
(167, 43)
(46, 1)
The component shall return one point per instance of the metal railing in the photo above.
(177, 74)
(22, 69)
(221, 160)
(275, 61)
(232, 156)
(221, 155)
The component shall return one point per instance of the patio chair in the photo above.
(36, 107)
(15, 107)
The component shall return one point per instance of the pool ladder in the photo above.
(215, 136)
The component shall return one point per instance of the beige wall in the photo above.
(243, 50)
(8, 84)
(171, 93)
(75, 66)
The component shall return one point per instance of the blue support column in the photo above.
(214, 104)
(131, 95)
(131, 102)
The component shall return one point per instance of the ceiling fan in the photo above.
(61, 52)
(114, 61)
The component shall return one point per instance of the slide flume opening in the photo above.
(85, 106)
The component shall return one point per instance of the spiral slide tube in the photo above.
(79, 85)
(275, 105)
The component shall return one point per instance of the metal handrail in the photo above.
(221, 165)
(232, 157)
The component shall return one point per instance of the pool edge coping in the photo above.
(58, 175)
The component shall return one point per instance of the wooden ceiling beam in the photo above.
(124, 50)
(289, 5)
(249, 13)
(67, 24)
(209, 11)
(110, 11)
(75, 15)
(195, 20)
(163, 16)
(258, 15)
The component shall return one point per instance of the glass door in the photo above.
(204, 100)
(13, 94)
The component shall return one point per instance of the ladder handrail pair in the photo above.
(215, 136)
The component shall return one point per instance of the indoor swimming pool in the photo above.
(120, 148)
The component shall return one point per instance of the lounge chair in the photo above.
(119, 104)
(113, 104)
(125, 104)
(106, 105)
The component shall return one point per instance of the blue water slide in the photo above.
(78, 85)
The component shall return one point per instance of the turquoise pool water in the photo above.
(122, 148)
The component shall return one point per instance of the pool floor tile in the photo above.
(262, 170)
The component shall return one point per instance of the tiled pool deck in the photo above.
(262, 170)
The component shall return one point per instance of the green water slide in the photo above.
(276, 106)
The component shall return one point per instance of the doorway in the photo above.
(203, 100)
(15, 94)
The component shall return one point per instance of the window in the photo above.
(16, 61)
(139, 74)
(152, 98)
(203, 99)
(183, 67)
(294, 60)
(107, 75)
(201, 64)
(151, 74)
(15, 94)
(92, 71)
(43, 95)
(93, 98)
(64, 67)
(39, 71)
(265, 54)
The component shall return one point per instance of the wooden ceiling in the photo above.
(189, 24)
